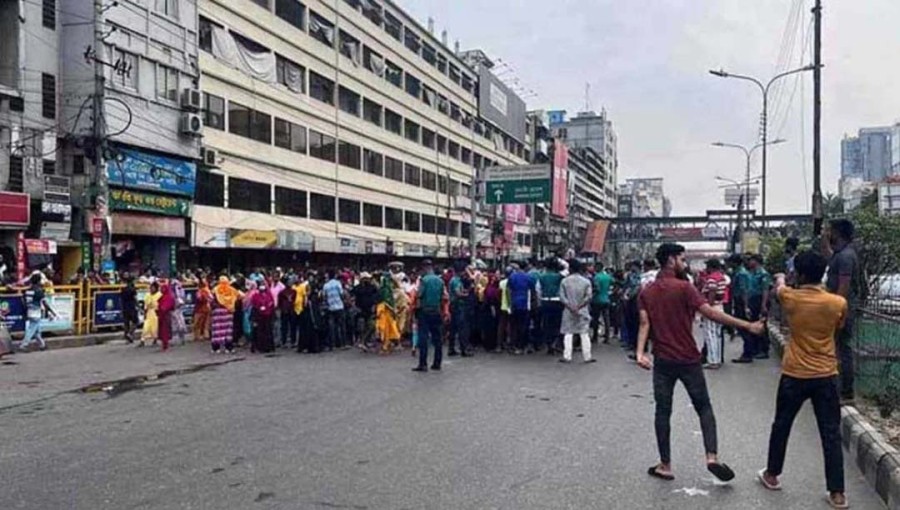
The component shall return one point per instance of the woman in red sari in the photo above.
(202, 312)
(263, 314)
(166, 306)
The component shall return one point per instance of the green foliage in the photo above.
(877, 240)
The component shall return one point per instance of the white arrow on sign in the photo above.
(498, 193)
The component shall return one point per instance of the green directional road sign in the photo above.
(534, 191)
(517, 184)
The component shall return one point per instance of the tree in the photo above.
(832, 205)
(877, 241)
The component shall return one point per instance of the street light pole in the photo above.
(748, 152)
(764, 88)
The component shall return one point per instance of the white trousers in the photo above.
(585, 346)
(712, 331)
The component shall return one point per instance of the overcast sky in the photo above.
(647, 61)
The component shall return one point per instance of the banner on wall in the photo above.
(595, 240)
(12, 312)
(253, 238)
(560, 204)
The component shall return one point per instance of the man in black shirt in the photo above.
(366, 297)
(843, 279)
(128, 297)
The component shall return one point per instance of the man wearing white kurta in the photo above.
(575, 293)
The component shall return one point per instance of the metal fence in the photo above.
(876, 350)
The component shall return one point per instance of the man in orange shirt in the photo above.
(809, 371)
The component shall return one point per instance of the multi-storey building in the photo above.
(867, 155)
(342, 125)
(644, 198)
(587, 129)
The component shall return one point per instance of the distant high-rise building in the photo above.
(588, 129)
(869, 154)
(644, 198)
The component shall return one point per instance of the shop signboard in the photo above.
(40, 247)
(126, 223)
(349, 245)
(127, 200)
(209, 237)
(85, 255)
(252, 238)
(142, 170)
(414, 250)
(12, 312)
(595, 240)
(55, 231)
(15, 209)
(294, 240)
(328, 244)
(560, 204)
(56, 211)
(379, 247)
(20, 255)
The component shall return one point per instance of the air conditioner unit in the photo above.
(191, 100)
(191, 124)
(210, 157)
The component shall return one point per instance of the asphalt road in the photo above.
(353, 431)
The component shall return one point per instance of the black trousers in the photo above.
(286, 337)
(792, 393)
(599, 311)
(665, 375)
(845, 355)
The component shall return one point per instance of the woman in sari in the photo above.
(247, 310)
(202, 311)
(225, 298)
(263, 317)
(179, 326)
(491, 316)
(151, 321)
(401, 306)
(385, 316)
(166, 308)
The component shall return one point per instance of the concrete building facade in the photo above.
(645, 198)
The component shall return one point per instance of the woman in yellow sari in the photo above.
(401, 306)
(151, 320)
(385, 316)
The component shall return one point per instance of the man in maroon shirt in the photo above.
(668, 307)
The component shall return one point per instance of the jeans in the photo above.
(631, 323)
(551, 320)
(665, 375)
(461, 327)
(287, 328)
(600, 311)
(336, 334)
(845, 355)
(430, 332)
(792, 393)
(32, 333)
(519, 321)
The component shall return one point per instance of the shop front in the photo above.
(15, 216)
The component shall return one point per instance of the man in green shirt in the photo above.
(430, 295)
(602, 283)
(753, 286)
(551, 307)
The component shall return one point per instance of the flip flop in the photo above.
(721, 471)
(656, 474)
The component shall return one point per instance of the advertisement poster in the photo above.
(560, 204)
(12, 312)
(143, 170)
(108, 307)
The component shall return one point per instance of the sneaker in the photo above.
(592, 360)
(761, 476)
(467, 354)
(762, 355)
(436, 368)
(742, 360)
(420, 369)
(564, 360)
(838, 500)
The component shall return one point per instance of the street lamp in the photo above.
(748, 152)
(764, 88)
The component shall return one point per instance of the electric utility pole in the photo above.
(818, 213)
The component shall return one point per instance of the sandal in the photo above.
(843, 503)
(662, 476)
(721, 471)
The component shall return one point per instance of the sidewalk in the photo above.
(29, 377)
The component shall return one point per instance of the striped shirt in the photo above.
(716, 283)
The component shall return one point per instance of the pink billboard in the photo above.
(517, 213)
(560, 205)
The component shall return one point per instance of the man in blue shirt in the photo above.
(602, 283)
(333, 292)
(520, 288)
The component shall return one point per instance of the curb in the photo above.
(878, 461)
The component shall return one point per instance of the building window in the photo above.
(243, 121)
(262, 3)
(48, 14)
(442, 144)
(348, 211)
(466, 156)
(48, 96)
(454, 74)
(412, 221)
(204, 29)
(411, 40)
(477, 160)
(321, 146)
(213, 111)
(291, 11)
(455, 112)
(442, 225)
(393, 218)
(373, 162)
(393, 169)
(429, 224)
(321, 88)
(290, 74)
(441, 63)
(348, 101)
(393, 122)
(245, 195)
(393, 26)
(429, 180)
(166, 83)
(429, 54)
(429, 96)
(465, 229)
(49, 167)
(443, 104)
(321, 29)
(290, 202)
(428, 138)
(16, 175)
(372, 11)
(210, 189)
(321, 207)
(290, 136)
(124, 69)
(468, 84)
(77, 164)
(373, 61)
(373, 215)
(349, 47)
(413, 86)
(393, 74)
(372, 112)
(349, 155)
(413, 175)
(442, 185)
(411, 131)
(167, 7)
(453, 149)
(454, 229)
